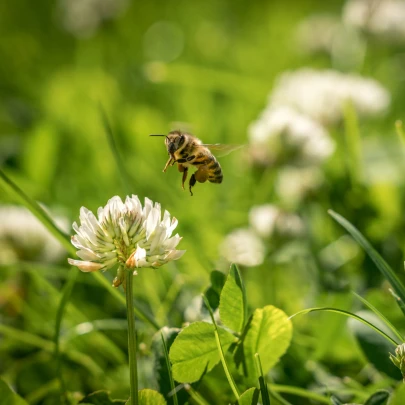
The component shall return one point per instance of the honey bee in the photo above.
(187, 151)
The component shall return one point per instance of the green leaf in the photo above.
(249, 397)
(214, 291)
(232, 306)
(100, 398)
(381, 264)
(398, 397)
(195, 351)
(378, 398)
(8, 396)
(268, 333)
(373, 345)
(150, 397)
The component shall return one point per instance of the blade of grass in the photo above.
(381, 264)
(381, 316)
(262, 382)
(125, 179)
(49, 346)
(64, 239)
(169, 370)
(66, 292)
(350, 315)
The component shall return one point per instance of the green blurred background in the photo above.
(208, 66)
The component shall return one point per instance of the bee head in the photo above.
(174, 140)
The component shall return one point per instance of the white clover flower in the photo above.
(322, 94)
(243, 246)
(269, 220)
(383, 18)
(83, 17)
(283, 133)
(125, 234)
(292, 184)
(24, 237)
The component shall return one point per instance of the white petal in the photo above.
(85, 266)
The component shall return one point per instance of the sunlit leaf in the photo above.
(268, 333)
(195, 351)
(150, 397)
(232, 306)
(249, 397)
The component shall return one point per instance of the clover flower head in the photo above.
(321, 94)
(243, 246)
(282, 133)
(382, 18)
(125, 234)
(399, 358)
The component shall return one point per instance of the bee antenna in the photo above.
(157, 135)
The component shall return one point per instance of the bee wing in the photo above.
(219, 149)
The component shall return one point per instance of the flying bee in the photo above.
(187, 151)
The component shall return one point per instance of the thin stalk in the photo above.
(195, 395)
(262, 382)
(131, 337)
(169, 370)
(221, 352)
(300, 392)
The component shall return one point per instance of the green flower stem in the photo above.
(221, 352)
(131, 337)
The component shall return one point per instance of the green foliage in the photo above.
(249, 397)
(194, 351)
(100, 398)
(150, 397)
(268, 332)
(378, 398)
(8, 396)
(233, 307)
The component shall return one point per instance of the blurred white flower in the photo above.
(326, 33)
(24, 237)
(383, 18)
(294, 183)
(283, 133)
(243, 246)
(125, 234)
(317, 32)
(269, 220)
(322, 94)
(83, 17)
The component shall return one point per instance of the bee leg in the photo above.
(185, 172)
(167, 164)
(191, 183)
